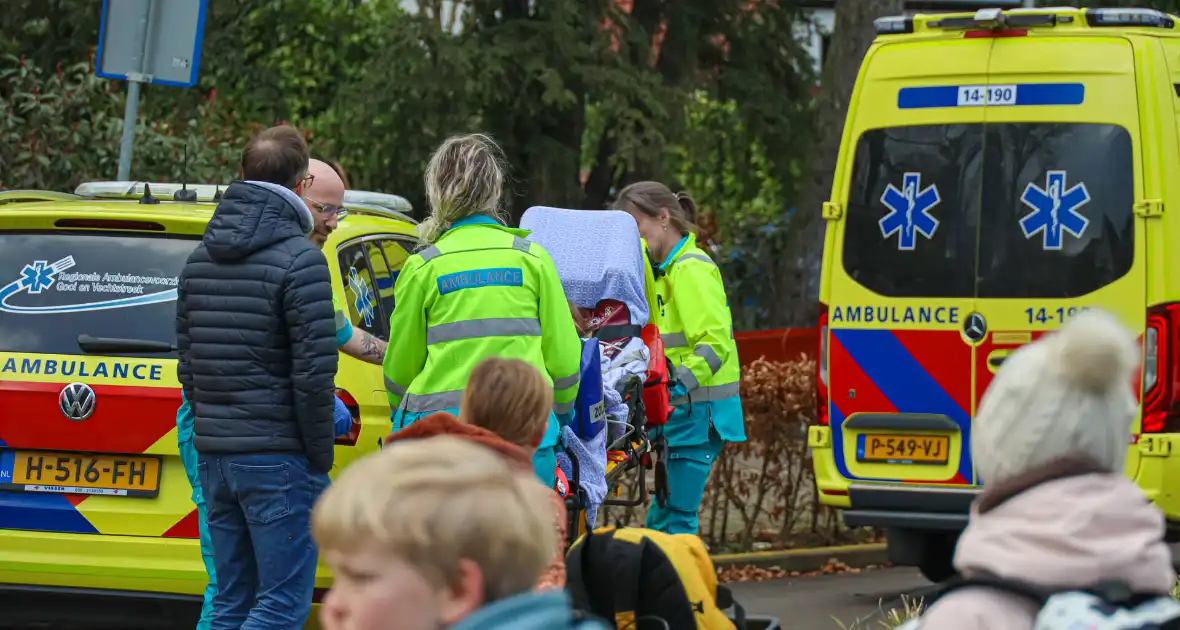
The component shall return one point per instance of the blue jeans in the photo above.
(259, 514)
(188, 456)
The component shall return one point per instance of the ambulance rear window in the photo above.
(1058, 210)
(910, 229)
(57, 285)
(1012, 210)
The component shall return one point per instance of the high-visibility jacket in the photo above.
(649, 288)
(697, 329)
(482, 290)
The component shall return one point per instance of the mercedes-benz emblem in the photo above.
(974, 328)
(76, 401)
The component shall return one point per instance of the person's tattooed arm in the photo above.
(365, 347)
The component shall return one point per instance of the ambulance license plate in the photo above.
(80, 473)
(903, 449)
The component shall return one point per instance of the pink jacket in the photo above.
(1071, 531)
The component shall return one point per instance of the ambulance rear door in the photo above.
(1063, 171)
(902, 280)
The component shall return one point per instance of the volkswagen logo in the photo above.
(975, 328)
(76, 401)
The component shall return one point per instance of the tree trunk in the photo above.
(851, 36)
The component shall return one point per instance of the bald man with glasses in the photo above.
(323, 192)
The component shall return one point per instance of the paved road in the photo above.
(811, 603)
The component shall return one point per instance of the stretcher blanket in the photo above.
(622, 361)
(598, 255)
(591, 456)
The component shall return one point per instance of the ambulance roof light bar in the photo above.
(1129, 17)
(359, 201)
(997, 21)
(382, 200)
(135, 190)
(993, 19)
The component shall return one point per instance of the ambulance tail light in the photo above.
(350, 438)
(1161, 369)
(821, 368)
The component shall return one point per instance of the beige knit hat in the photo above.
(1069, 393)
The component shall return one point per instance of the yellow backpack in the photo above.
(640, 577)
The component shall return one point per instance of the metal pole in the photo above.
(131, 111)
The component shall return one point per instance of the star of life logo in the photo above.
(909, 211)
(364, 299)
(40, 275)
(1054, 210)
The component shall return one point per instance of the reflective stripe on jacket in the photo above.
(697, 330)
(482, 290)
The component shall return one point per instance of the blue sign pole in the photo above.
(131, 111)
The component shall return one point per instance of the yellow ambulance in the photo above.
(1000, 171)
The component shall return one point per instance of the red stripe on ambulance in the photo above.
(852, 391)
(126, 419)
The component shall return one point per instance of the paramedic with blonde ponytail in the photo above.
(697, 330)
(477, 290)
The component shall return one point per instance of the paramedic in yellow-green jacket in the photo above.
(477, 290)
(697, 329)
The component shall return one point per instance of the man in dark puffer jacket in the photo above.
(257, 345)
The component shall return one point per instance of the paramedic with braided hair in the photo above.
(477, 290)
(697, 329)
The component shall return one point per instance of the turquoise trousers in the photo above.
(188, 455)
(688, 473)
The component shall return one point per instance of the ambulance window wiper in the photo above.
(115, 345)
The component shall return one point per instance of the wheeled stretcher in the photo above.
(624, 387)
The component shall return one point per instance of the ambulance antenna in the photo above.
(184, 194)
(147, 198)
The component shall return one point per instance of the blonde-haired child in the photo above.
(506, 407)
(438, 533)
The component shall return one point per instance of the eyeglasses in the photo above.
(327, 210)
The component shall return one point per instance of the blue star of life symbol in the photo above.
(364, 301)
(909, 211)
(37, 277)
(1054, 209)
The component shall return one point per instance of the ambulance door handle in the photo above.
(996, 358)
